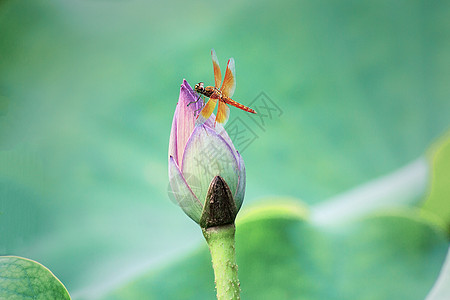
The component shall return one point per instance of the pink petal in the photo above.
(240, 191)
(207, 155)
(183, 121)
(223, 133)
(173, 149)
(182, 192)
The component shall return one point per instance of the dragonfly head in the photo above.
(199, 88)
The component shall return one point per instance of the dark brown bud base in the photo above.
(219, 208)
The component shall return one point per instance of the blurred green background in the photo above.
(88, 91)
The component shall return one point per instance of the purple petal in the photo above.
(193, 96)
(223, 133)
(219, 129)
(182, 193)
(240, 191)
(173, 149)
(183, 122)
(207, 155)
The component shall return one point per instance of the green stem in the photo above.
(220, 240)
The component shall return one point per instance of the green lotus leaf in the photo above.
(282, 255)
(21, 278)
(438, 200)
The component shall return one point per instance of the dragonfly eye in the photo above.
(199, 86)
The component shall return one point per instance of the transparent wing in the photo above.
(229, 81)
(207, 110)
(217, 73)
(223, 113)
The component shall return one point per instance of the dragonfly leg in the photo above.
(199, 96)
(201, 107)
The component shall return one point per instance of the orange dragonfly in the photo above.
(223, 94)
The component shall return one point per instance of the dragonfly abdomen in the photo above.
(237, 104)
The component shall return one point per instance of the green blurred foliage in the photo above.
(88, 90)
(284, 256)
(25, 279)
(438, 200)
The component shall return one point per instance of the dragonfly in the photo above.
(222, 95)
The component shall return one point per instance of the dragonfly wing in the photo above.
(223, 113)
(206, 111)
(229, 81)
(217, 73)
